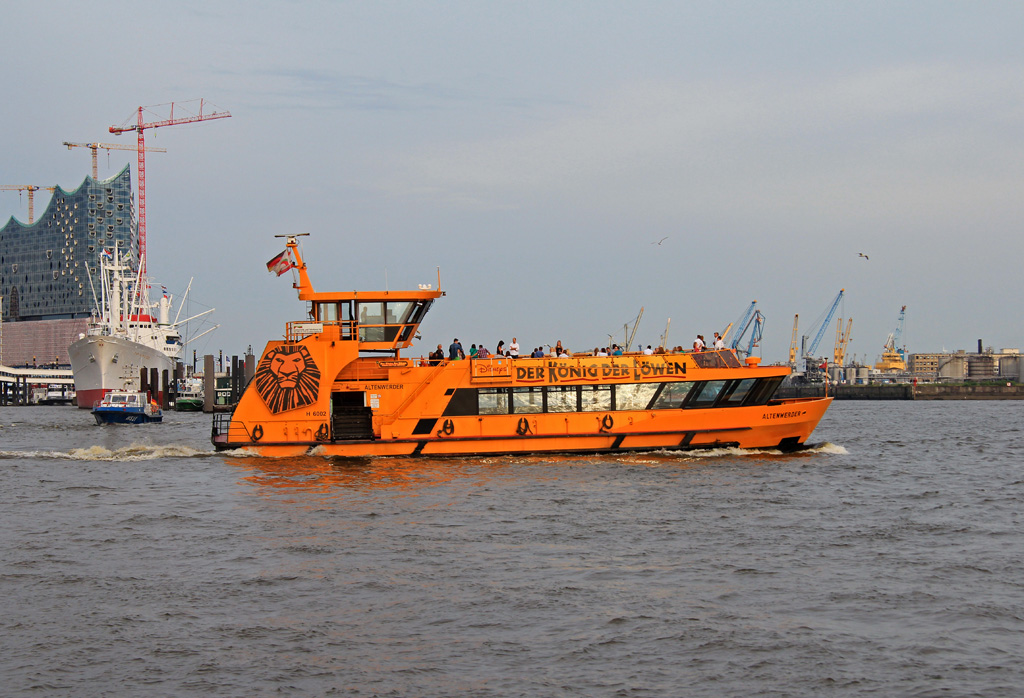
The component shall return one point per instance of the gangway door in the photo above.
(351, 420)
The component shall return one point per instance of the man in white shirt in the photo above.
(648, 351)
(513, 349)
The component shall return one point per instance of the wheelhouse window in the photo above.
(371, 314)
(327, 312)
(386, 321)
(398, 312)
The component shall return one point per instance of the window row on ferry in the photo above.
(613, 397)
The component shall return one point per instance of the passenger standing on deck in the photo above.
(648, 351)
(501, 348)
(719, 342)
(472, 350)
(513, 349)
(436, 357)
(454, 350)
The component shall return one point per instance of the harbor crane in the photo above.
(809, 351)
(108, 147)
(756, 322)
(842, 341)
(31, 189)
(792, 343)
(742, 322)
(894, 358)
(140, 128)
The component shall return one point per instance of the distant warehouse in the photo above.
(46, 266)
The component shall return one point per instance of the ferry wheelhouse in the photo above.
(339, 385)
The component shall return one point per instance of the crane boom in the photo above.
(742, 324)
(825, 323)
(31, 189)
(94, 147)
(140, 128)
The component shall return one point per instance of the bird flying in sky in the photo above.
(863, 255)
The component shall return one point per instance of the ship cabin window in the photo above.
(704, 394)
(634, 396)
(492, 400)
(672, 395)
(529, 400)
(595, 398)
(736, 393)
(764, 391)
(562, 398)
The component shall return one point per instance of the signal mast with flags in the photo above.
(282, 262)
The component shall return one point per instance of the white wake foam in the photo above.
(135, 452)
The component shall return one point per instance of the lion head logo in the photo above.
(287, 378)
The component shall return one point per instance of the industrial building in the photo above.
(48, 267)
(985, 365)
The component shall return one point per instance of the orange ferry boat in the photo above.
(338, 385)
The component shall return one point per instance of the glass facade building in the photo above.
(43, 265)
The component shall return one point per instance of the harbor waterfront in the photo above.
(882, 561)
(907, 391)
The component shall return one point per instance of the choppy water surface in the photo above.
(886, 562)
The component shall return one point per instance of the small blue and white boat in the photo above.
(126, 407)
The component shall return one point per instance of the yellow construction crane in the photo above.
(31, 189)
(842, 341)
(792, 343)
(108, 147)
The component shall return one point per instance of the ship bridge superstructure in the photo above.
(369, 321)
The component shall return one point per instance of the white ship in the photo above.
(123, 336)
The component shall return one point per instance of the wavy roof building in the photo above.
(45, 266)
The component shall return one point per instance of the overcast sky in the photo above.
(537, 152)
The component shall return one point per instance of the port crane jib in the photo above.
(94, 147)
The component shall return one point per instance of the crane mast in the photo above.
(792, 342)
(842, 341)
(140, 128)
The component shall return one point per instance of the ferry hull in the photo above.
(784, 425)
(102, 363)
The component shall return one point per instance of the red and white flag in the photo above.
(282, 262)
